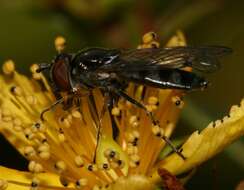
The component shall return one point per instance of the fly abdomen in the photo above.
(166, 79)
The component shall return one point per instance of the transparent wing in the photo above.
(204, 58)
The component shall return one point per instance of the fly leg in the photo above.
(151, 116)
(59, 101)
(103, 111)
(42, 67)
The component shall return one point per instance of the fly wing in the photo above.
(204, 58)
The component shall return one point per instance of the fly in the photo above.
(111, 70)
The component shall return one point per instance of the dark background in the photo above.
(28, 29)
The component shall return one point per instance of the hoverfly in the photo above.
(111, 70)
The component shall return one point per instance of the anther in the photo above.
(76, 114)
(156, 130)
(178, 101)
(81, 182)
(63, 180)
(149, 37)
(45, 155)
(60, 166)
(133, 119)
(15, 90)
(35, 167)
(61, 137)
(109, 153)
(92, 167)
(29, 151)
(29, 134)
(115, 111)
(8, 67)
(43, 148)
(152, 100)
(120, 163)
(105, 166)
(60, 43)
(131, 149)
(34, 184)
(79, 161)
(154, 44)
(38, 127)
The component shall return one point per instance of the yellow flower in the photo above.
(60, 149)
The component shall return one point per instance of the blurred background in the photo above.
(29, 27)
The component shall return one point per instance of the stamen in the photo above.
(15, 90)
(64, 181)
(44, 151)
(60, 43)
(60, 166)
(29, 134)
(34, 184)
(35, 75)
(35, 167)
(154, 44)
(79, 161)
(152, 100)
(8, 67)
(115, 111)
(178, 101)
(105, 166)
(156, 130)
(76, 114)
(92, 167)
(149, 37)
(61, 137)
(131, 149)
(81, 183)
(29, 151)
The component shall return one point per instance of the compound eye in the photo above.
(60, 74)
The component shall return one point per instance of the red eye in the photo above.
(60, 74)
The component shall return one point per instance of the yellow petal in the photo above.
(22, 180)
(134, 182)
(202, 146)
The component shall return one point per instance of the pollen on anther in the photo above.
(79, 161)
(35, 167)
(115, 111)
(29, 151)
(8, 67)
(34, 184)
(156, 130)
(109, 153)
(60, 166)
(105, 166)
(92, 167)
(76, 114)
(60, 43)
(149, 37)
(81, 182)
(15, 90)
(152, 100)
(61, 137)
(178, 101)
